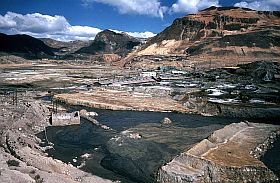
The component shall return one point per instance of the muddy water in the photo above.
(122, 120)
(72, 142)
(271, 158)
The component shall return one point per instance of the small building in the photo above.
(63, 119)
(149, 74)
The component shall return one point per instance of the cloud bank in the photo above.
(262, 5)
(154, 7)
(55, 27)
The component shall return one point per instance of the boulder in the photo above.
(166, 121)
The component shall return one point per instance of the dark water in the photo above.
(272, 158)
(71, 142)
(121, 120)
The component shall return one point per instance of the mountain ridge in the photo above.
(110, 42)
(24, 45)
(63, 48)
(219, 33)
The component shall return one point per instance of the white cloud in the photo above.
(39, 25)
(262, 5)
(141, 7)
(35, 22)
(146, 34)
(192, 6)
(55, 27)
(141, 34)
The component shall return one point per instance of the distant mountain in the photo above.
(110, 42)
(63, 48)
(220, 33)
(24, 45)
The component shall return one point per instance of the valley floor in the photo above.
(135, 151)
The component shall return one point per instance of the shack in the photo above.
(63, 119)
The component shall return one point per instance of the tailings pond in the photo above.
(115, 155)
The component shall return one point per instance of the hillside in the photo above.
(63, 48)
(25, 46)
(109, 42)
(225, 35)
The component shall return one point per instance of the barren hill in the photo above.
(110, 42)
(24, 45)
(225, 35)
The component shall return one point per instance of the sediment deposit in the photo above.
(122, 100)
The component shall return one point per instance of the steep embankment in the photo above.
(229, 155)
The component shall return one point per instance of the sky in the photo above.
(67, 20)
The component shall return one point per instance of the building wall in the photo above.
(62, 119)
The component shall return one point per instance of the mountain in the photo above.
(63, 48)
(222, 34)
(24, 45)
(110, 42)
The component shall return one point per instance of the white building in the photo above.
(149, 74)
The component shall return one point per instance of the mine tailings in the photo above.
(137, 146)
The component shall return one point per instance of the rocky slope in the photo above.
(24, 45)
(108, 42)
(23, 155)
(228, 155)
(222, 34)
(63, 48)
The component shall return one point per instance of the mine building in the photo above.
(63, 119)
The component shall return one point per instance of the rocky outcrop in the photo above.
(260, 71)
(228, 155)
(109, 42)
(216, 22)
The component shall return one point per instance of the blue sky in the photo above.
(83, 19)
